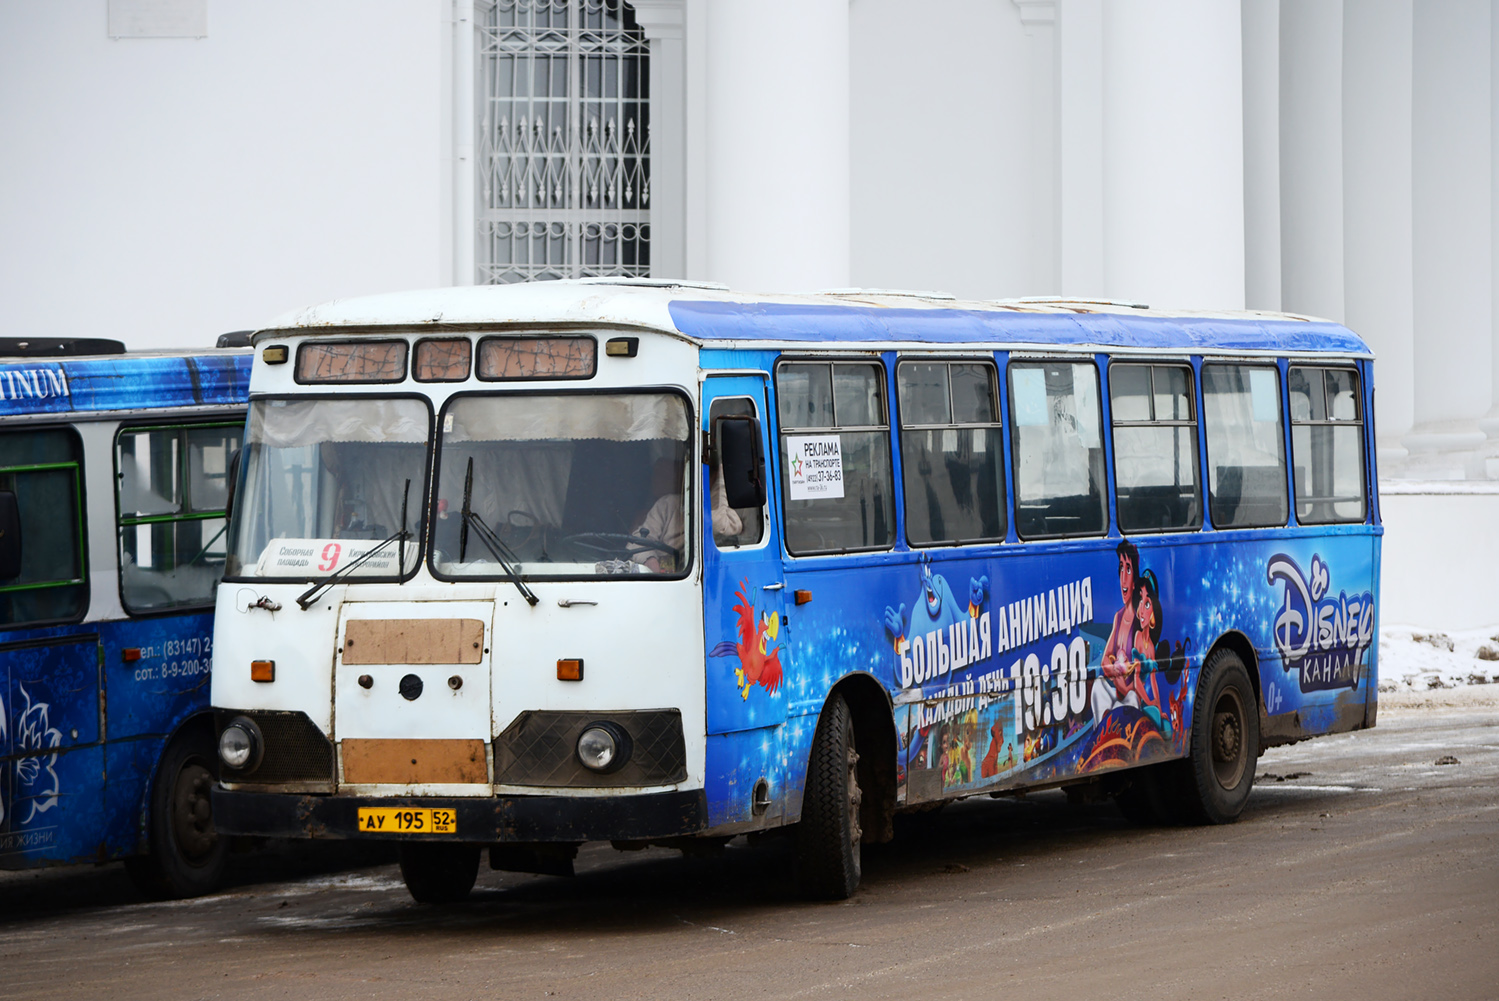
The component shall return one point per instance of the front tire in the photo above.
(437, 873)
(185, 855)
(828, 864)
(1215, 779)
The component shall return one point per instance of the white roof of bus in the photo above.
(704, 313)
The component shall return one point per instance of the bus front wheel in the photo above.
(1214, 780)
(438, 873)
(828, 863)
(185, 856)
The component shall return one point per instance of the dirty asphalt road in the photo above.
(1367, 872)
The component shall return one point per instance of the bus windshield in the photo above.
(328, 482)
(575, 485)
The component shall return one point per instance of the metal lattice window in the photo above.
(564, 141)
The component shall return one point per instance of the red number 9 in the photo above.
(330, 556)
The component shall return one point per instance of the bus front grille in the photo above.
(298, 756)
(540, 749)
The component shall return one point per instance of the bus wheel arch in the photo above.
(184, 855)
(1239, 643)
(874, 730)
(1212, 783)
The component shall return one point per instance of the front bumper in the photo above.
(487, 821)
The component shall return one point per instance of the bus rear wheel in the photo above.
(1214, 780)
(438, 873)
(185, 856)
(828, 864)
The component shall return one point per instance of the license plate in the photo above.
(406, 820)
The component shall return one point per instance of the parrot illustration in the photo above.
(759, 664)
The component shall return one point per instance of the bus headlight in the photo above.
(241, 745)
(603, 747)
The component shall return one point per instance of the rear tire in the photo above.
(185, 855)
(1213, 782)
(438, 873)
(828, 863)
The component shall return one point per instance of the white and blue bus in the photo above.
(524, 567)
(114, 479)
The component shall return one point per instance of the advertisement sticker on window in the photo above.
(815, 466)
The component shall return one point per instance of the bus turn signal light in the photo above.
(570, 670)
(130, 654)
(802, 597)
(262, 670)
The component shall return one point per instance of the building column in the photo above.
(1039, 19)
(1452, 227)
(1261, 28)
(1377, 265)
(1311, 157)
(1079, 150)
(777, 158)
(664, 24)
(1173, 142)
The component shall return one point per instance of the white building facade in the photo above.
(170, 169)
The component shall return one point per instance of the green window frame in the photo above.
(167, 506)
(53, 583)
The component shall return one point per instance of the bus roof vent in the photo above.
(58, 347)
(234, 339)
(898, 292)
(654, 283)
(1064, 301)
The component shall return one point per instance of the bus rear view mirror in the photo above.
(10, 536)
(742, 460)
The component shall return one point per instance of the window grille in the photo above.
(564, 141)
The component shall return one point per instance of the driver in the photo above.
(663, 522)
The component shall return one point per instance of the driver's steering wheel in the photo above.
(617, 544)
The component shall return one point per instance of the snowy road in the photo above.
(1361, 869)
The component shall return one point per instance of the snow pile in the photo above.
(1420, 660)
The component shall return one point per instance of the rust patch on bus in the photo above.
(413, 641)
(413, 762)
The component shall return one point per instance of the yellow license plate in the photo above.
(406, 820)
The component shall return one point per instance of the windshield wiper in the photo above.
(310, 596)
(501, 552)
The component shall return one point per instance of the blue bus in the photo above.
(114, 480)
(519, 568)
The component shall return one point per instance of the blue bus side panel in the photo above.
(994, 665)
(122, 382)
(63, 797)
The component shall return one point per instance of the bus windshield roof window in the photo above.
(323, 485)
(1155, 448)
(952, 457)
(1058, 449)
(573, 485)
(1327, 444)
(1241, 412)
(835, 456)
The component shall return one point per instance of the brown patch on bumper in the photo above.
(413, 762)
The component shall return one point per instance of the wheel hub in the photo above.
(192, 812)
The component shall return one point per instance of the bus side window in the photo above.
(1241, 415)
(1155, 448)
(1058, 449)
(952, 458)
(738, 526)
(835, 456)
(1327, 444)
(173, 491)
(42, 471)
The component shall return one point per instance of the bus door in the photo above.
(744, 618)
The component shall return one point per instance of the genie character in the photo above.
(935, 608)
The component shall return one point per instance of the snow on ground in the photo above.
(1423, 660)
